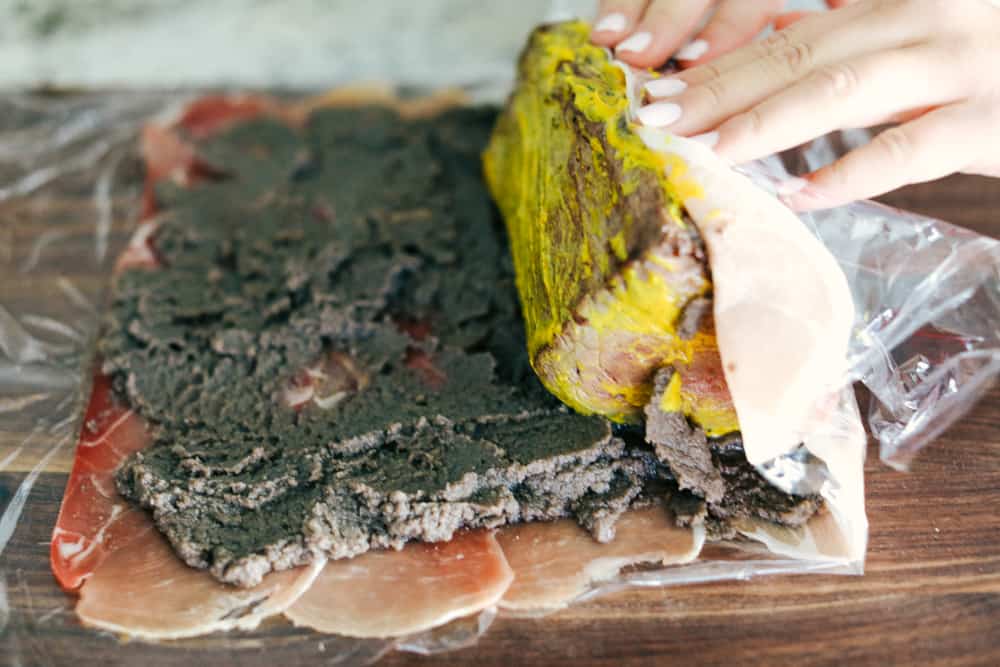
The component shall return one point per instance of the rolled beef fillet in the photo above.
(614, 278)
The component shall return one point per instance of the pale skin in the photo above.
(930, 68)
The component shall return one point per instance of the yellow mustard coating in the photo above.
(571, 233)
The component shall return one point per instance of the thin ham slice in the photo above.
(396, 593)
(783, 308)
(168, 151)
(144, 590)
(555, 563)
(93, 519)
(139, 253)
(129, 579)
(214, 113)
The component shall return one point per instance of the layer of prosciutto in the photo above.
(395, 593)
(555, 563)
(128, 578)
(144, 590)
(130, 581)
(93, 520)
(783, 308)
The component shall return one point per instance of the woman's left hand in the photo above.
(932, 67)
(646, 33)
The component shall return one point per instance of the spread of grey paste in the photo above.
(361, 258)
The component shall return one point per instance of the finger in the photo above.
(939, 143)
(837, 4)
(665, 27)
(853, 93)
(893, 118)
(616, 19)
(852, 30)
(712, 96)
(735, 23)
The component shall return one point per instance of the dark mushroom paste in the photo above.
(332, 357)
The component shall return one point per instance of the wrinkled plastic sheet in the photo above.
(926, 344)
(926, 340)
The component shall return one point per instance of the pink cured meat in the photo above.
(555, 563)
(128, 578)
(169, 154)
(143, 590)
(214, 113)
(395, 593)
(93, 519)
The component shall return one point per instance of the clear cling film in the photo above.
(925, 343)
(927, 297)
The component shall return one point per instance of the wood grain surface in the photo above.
(930, 596)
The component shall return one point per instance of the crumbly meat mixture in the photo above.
(715, 482)
(332, 358)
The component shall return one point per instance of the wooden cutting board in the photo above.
(931, 594)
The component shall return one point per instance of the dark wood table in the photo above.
(931, 594)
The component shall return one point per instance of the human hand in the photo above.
(928, 65)
(645, 33)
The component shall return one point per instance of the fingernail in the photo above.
(692, 50)
(665, 87)
(659, 114)
(710, 139)
(791, 186)
(637, 43)
(615, 22)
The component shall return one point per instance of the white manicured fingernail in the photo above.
(791, 186)
(665, 87)
(710, 139)
(659, 114)
(611, 23)
(692, 50)
(637, 43)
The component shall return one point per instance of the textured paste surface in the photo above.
(332, 358)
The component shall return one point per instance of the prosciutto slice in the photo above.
(396, 593)
(128, 578)
(93, 520)
(144, 590)
(555, 563)
(783, 308)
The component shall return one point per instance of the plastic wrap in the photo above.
(927, 299)
(925, 343)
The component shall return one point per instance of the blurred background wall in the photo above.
(295, 44)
